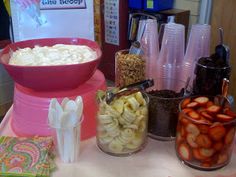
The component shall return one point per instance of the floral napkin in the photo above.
(28, 157)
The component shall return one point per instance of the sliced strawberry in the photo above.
(209, 159)
(229, 112)
(187, 110)
(203, 128)
(179, 138)
(206, 152)
(192, 104)
(213, 109)
(184, 152)
(197, 155)
(201, 100)
(194, 115)
(229, 137)
(182, 131)
(185, 102)
(203, 141)
(191, 140)
(193, 129)
(222, 158)
(182, 118)
(218, 146)
(217, 131)
(224, 117)
(201, 109)
(179, 125)
(202, 120)
(206, 164)
(206, 115)
(184, 121)
(209, 103)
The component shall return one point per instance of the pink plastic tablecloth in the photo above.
(158, 159)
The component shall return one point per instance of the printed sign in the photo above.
(111, 17)
(62, 4)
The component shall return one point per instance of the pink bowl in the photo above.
(46, 78)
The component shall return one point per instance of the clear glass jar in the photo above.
(205, 132)
(129, 68)
(122, 124)
(163, 107)
(208, 79)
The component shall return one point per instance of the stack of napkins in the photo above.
(28, 157)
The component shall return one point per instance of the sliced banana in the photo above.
(122, 140)
(102, 134)
(111, 111)
(131, 146)
(140, 99)
(144, 111)
(105, 119)
(126, 139)
(112, 126)
(118, 105)
(135, 143)
(142, 126)
(138, 120)
(105, 140)
(102, 107)
(122, 121)
(115, 146)
(114, 133)
(134, 104)
(138, 140)
(129, 133)
(122, 124)
(128, 115)
(132, 126)
(100, 127)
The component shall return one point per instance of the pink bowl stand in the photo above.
(30, 107)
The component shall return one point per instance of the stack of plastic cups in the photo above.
(150, 46)
(198, 46)
(171, 54)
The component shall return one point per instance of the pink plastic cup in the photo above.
(172, 51)
(30, 108)
(198, 46)
(150, 45)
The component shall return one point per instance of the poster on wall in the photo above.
(52, 18)
(111, 21)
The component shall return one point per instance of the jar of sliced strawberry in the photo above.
(205, 132)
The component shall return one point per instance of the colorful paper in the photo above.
(26, 156)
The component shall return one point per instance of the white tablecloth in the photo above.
(157, 159)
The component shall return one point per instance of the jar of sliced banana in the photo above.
(122, 123)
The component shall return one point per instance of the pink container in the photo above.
(172, 52)
(30, 108)
(48, 78)
(198, 46)
(150, 45)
